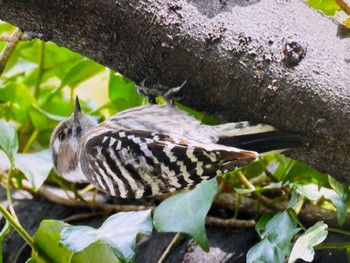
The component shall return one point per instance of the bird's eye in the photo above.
(61, 136)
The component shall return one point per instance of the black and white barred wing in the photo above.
(135, 164)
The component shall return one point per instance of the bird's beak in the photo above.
(77, 109)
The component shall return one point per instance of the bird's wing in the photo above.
(140, 163)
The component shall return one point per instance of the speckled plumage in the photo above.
(147, 150)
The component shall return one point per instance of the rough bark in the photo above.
(233, 54)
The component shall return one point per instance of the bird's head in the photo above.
(65, 144)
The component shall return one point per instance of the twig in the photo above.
(309, 213)
(172, 245)
(344, 5)
(230, 222)
(8, 49)
(83, 216)
(340, 231)
(51, 195)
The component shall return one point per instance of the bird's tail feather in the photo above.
(259, 138)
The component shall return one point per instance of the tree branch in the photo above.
(272, 61)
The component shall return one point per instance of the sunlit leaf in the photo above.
(122, 92)
(186, 212)
(58, 61)
(22, 67)
(8, 140)
(43, 120)
(313, 192)
(340, 188)
(303, 247)
(35, 167)
(80, 72)
(118, 231)
(6, 27)
(326, 6)
(20, 99)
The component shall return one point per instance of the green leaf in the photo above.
(340, 188)
(326, 6)
(293, 200)
(35, 167)
(261, 225)
(80, 72)
(6, 27)
(19, 98)
(280, 230)
(43, 120)
(46, 239)
(122, 92)
(58, 61)
(8, 140)
(99, 252)
(4, 231)
(186, 212)
(277, 234)
(265, 252)
(313, 192)
(21, 67)
(118, 231)
(303, 247)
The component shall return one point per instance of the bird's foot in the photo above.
(158, 90)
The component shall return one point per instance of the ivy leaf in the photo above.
(35, 167)
(265, 251)
(192, 208)
(119, 231)
(303, 247)
(277, 234)
(280, 230)
(261, 224)
(47, 240)
(8, 140)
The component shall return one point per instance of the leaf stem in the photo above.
(17, 226)
(8, 195)
(340, 231)
(41, 69)
(338, 246)
(172, 245)
(293, 214)
(245, 181)
(31, 140)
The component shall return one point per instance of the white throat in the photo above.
(75, 176)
